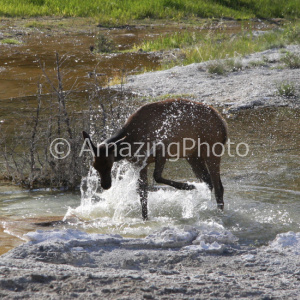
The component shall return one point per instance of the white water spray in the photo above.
(118, 209)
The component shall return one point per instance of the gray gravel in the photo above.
(117, 268)
(249, 87)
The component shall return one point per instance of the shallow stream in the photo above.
(20, 64)
(262, 191)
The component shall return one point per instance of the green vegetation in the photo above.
(104, 44)
(291, 60)
(257, 63)
(43, 24)
(10, 42)
(216, 67)
(233, 64)
(170, 41)
(35, 24)
(286, 89)
(221, 67)
(122, 11)
(212, 45)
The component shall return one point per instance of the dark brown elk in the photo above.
(166, 130)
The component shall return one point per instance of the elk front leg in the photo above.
(159, 167)
(143, 191)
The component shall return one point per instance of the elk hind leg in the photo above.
(213, 165)
(200, 170)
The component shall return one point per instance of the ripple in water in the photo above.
(118, 210)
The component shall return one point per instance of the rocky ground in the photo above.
(254, 81)
(168, 265)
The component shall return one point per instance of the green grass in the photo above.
(286, 89)
(291, 60)
(170, 41)
(216, 67)
(103, 44)
(10, 42)
(221, 67)
(233, 64)
(257, 63)
(211, 45)
(122, 11)
(35, 24)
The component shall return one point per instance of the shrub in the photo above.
(104, 44)
(257, 63)
(216, 67)
(29, 158)
(233, 64)
(286, 89)
(221, 67)
(291, 60)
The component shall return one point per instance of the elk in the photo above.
(171, 124)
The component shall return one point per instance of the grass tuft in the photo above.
(221, 67)
(104, 44)
(233, 64)
(216, 67)
(291, 60)
(10, 42)
(257, 63)
(35, 24)
(286, 89)
(170, 41)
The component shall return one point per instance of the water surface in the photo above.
(20, 65)
(262, 191)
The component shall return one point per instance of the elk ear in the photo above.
(86, 136)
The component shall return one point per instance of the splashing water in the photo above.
(118, 210)
(88, 187)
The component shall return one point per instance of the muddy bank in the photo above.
(165, 265)
(74, 38)
(255, 84)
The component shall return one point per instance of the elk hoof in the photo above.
(221, 206)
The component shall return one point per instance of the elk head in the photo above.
(103, 160)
